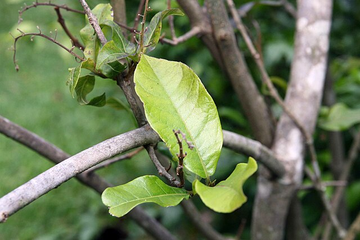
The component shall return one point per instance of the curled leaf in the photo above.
(227, 195)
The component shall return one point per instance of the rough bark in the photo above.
(303, 98)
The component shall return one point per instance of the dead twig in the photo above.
(160, 168)
(61, 20)
(36, 4)
(43, 36)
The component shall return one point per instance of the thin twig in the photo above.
(137, 19)
(171, 22)
(354, 229)
(175, 41)
(112, 160)
(94, 22)
(143, 27)
(43, 36)
(160, 168)
(61, 20)
(335, 202)
(36, 4)
(181, 155)
(325, 184)
(195, 217)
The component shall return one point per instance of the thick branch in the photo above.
(255, 149)
(93, 181)
(252, 102)
(303, 98)
(60, 173)
(199, 19)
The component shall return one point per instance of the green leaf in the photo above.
(153, 31)
(340, 117)
(123, 198)
(175, 98)
(88, 36)
(74, 74)
(84, 86)
(227, 195)
(108, 60)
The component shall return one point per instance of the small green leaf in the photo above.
(123, 198)
(175, 99)
(340, 117)
(84, 86)
(153, 32)
(74, 74)
(227, 195)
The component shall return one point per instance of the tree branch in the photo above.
(43, 36)
(93, 21)
(160, 168)
(255, 149)
(199, 19)
(36, 4)
(194, 215)
(113, 160)
(61, 21)
(251, 100)
(60, 173)
(92, 180)
(303, 97)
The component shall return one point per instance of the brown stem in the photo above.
(175, 41)
(160, 168)
(251, 100)
(206, 229)
(43, 36)
(61, 20)
(137, 19)
(36, 4)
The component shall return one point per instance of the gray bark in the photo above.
(303, 99)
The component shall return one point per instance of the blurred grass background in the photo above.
(38, 99)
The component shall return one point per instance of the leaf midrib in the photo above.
(195, 144)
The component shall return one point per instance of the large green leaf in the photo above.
(340, 117)
(153, 31)
(123, 198)
(175, 99)
(227, 195)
